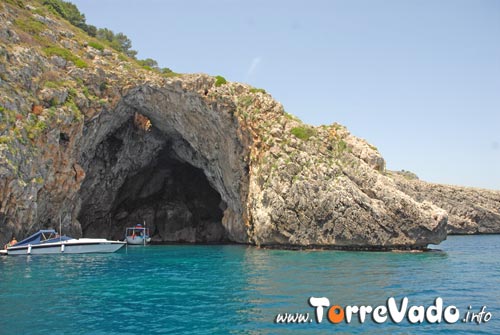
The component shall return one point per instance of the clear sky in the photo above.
(419, 79)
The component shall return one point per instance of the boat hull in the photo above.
(137, 240)
(76, 246)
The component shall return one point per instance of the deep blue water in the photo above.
(239, 290)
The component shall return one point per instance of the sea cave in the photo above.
(151, 166)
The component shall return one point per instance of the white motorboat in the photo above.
(137, 235)
(48, 242)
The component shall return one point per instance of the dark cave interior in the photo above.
(134, 177)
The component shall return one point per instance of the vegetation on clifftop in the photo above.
(118, 41)
(78, 95)
(220, 80)
(45, 39)
(303, 132)
(70, 12)
(66, 54)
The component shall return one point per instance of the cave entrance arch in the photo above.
(185, 174)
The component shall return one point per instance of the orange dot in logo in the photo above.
(335, 314)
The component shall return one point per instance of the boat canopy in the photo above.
(138, 228)
(43, 236)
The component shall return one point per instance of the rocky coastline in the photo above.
(97, 141)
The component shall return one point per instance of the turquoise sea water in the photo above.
(231, 289)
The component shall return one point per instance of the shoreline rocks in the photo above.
(470, 210)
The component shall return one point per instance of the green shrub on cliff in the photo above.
(246, 101)
(257, 90)
(166, 72)
(148, 63)
(220, 80)
(96, 45)
(71, 13)
(4, 139)
(53, 84)
(341, 146)
(66, 54)
(33, 127)
(303, 132)
(18, 3)
(30, 25)
(7, 117)
(119, 41)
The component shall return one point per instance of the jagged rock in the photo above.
(107, 52)
(44, 19)
(205, 163)
(470, 210)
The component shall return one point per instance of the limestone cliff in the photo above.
(90, 138)
(470, 210)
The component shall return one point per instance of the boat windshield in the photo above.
(56, 238)
(43, 236)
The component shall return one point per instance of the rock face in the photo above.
(187, 133)
(470, 210)
(105, 144)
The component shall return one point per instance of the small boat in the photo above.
(49, 242)
(138, 235)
